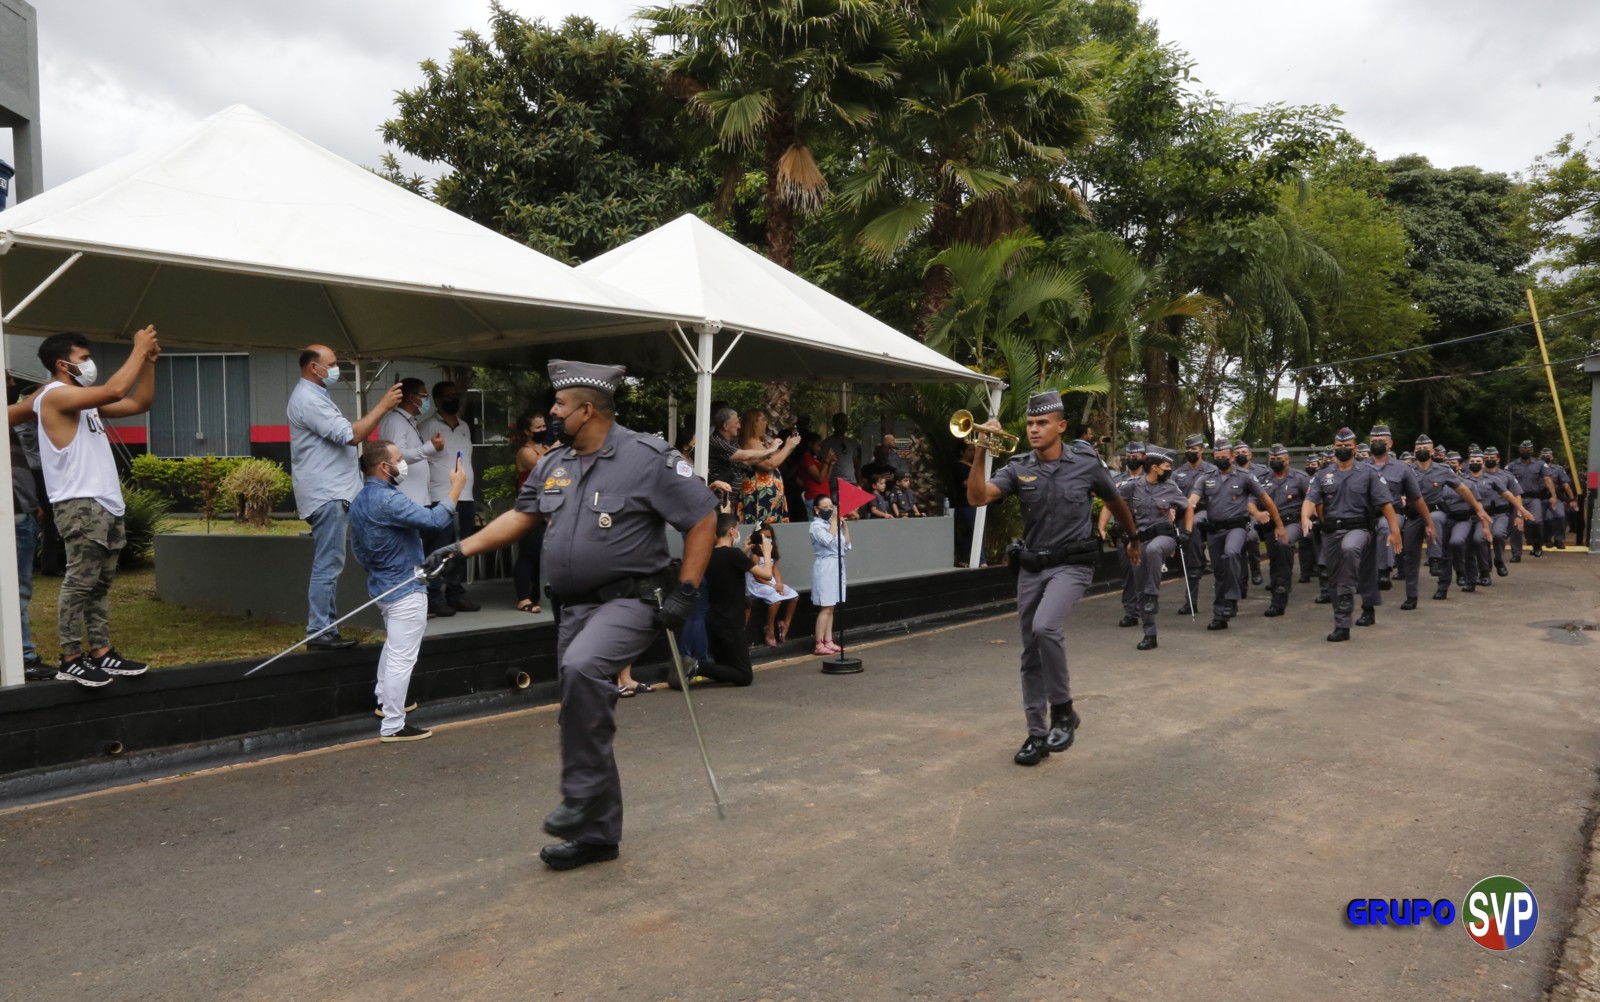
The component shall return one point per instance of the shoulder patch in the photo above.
(683, 468)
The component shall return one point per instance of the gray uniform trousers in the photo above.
(1192, 556)
(1044, 601)
(1343, 553)
(1413, 534)
(1152, 555)
(1461, 544)
(594, 644)
(1132, 578)
(1532, 528)
(1227, 564)
(1500, 528)
(1280, 558)
(1555, 522)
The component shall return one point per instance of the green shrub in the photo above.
(148, 514)
(256, 486)
(182, 481)
(498, 483)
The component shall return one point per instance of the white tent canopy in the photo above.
(240, 233)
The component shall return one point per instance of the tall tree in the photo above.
(562, 138)
(991, 97)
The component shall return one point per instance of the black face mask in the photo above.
(1193, 457)
(1423, 455)
(1221, 463)
(450, 406)
(1491, 463)
(1526, 453)
(1344, 455)
(556, 428)
(1380, 448)
(1163, 476)
(1475, 467)
(1277, 465)
(1135, 465)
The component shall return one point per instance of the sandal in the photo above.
(770, 641)
(527, 606)
(624, 691)
(643, 687)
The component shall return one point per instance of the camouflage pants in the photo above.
(94, 539)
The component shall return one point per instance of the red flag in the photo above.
(852, 497)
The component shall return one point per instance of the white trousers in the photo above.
(404, 619)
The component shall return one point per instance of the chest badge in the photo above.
(605, 520)
(1027, 478)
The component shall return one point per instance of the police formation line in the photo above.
(1358, 516)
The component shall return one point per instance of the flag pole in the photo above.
(840, 664)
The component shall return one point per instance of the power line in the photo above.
(1448, 375)
(1441, 344)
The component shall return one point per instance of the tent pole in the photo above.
(702, 400)
(39, 289)
(672, 417)
(361, 389)
(975, 558)
(10, 605)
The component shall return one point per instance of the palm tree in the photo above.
(990, 100)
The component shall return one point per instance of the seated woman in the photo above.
(763, 547)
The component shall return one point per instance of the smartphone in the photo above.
(458, 459)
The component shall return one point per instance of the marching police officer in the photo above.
(1503, 508)
(1133, 457)
(1056, 561)
(1538, 489)
(1227, 495)
(1555, 516)
(1242, 461)
(1494, 492)
(1416, 525)
(1452, 507)
(1185, 474)
(605, 495)
(1287, 487)
(1349, 496)
(1155, 502)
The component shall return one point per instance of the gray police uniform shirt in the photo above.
(1185, 476)
(1056, 507)
(1402, 480)
(1152, 504)
(1358, 492)
(604, 512)
(1503, 481)
(1287, 492)
(1485, 488)
(1438, 484)
(1530, 473)
(1226, 496)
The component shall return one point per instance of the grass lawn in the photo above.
(279, 527)
(147, 629)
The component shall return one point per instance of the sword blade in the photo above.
(694, 722)
(416, 576)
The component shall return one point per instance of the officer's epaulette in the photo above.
(1019, 457)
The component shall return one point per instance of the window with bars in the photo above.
(202, 406)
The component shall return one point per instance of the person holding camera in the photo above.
(1056, 487)
(727, 607)
(761, 497)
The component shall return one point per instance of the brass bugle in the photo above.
(965, 427)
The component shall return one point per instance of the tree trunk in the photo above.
(936, 284)
(780, 251)
(1163, 398)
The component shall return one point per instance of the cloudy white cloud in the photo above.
(1460, 81)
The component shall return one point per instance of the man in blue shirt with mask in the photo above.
(386, 533)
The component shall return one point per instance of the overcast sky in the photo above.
(1486, 82)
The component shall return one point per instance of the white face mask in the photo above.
(400, 471)
(332, 376)
(87, 372)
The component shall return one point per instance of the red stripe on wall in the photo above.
(129, 435)
(269, 433)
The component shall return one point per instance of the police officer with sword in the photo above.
(605, 495)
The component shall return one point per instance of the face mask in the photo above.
(1134, 465)
(87, 373)
(449, 406)
(1527, 453)
(1193, 457)
(1475, 467)
(1344, 455)
(425, 409)
(332, 376)
(824, 512)
(1163, 476)
(400, 471)
(1380, 448)
(1221, 463)
(1492, 463)
(1277, 465)
(1423, 455)
(556, 428)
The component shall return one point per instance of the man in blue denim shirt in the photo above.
(322, 460)
(386, 532)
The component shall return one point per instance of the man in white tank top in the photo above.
(80, 478)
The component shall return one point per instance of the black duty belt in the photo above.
(1538, 495)
(1164, 529)
(643, 588)
(1499, 509)
(1228, 524)
(1082, 552)
(1344, 524)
